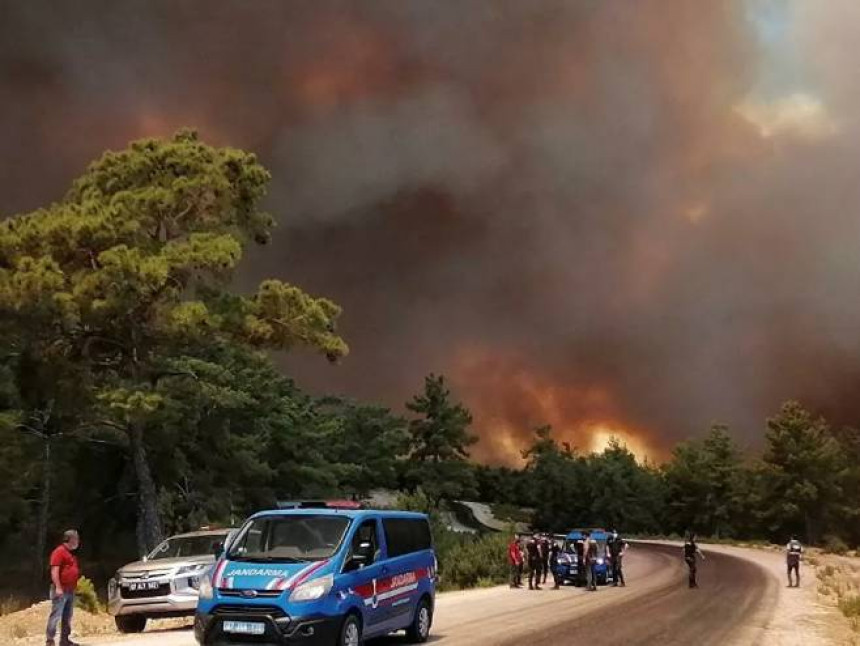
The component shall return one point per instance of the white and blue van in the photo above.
(318, 575)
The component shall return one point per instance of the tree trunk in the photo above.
(42, 528)
(149, 533)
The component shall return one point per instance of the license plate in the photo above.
(244, 627)
(145, 585)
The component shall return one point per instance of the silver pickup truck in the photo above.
(165, 582)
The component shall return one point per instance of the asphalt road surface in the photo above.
(732, 606)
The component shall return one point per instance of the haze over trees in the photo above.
(138, 397)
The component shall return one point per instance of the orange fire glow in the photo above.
(509, 400)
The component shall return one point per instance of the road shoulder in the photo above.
(798, 617)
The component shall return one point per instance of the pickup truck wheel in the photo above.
(130, 623)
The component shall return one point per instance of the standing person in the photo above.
(522, 566)
(64, 579)
(579, 549)
(545, 556)
(691, 554)
(589, 549)
(617, 550)
(515, 561)
(533, 552)
(793, 557)
(554, 551)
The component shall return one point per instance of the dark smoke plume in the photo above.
(615, 217)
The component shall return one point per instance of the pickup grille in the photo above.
(150, 574)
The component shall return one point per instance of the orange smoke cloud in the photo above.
(510, 399)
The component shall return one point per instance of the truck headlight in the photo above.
(113, 586)
(191, 569)
(313, 590)
(206, 591)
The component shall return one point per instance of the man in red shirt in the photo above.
(64, 579)
(515, 560)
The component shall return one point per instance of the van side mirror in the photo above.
(361, 556)
(218, 549)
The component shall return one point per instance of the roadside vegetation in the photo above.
(139, 397)
(839, 585)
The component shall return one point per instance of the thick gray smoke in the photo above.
(617, 217)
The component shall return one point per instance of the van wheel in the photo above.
(350, 632)
(130, 623)
(419, 631)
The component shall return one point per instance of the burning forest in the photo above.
(621, 219)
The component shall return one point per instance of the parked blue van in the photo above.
(570, 566)
(316, 575)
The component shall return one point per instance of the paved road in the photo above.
(732, 606)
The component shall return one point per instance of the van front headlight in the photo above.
(206, 591)
(314, 589)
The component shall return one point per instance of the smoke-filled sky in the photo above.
(629, 217)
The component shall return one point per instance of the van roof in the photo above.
(347, 513)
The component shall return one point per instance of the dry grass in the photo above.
(839, 585)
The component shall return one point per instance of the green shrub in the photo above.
(86, 597)
(835, 545)
(480, 560)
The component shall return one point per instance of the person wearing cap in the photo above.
(617, 550)
(64, 579)
(534, 562)
(793, 557)
(691, 554)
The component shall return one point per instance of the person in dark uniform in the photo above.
(554, 551)
(534, 562)
(691, 554)
(545, 556)
(793, 556)
(617, 550)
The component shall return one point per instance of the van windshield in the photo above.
(289, 539)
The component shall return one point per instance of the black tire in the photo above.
(419, 631)
(350, 632)
(130, 623)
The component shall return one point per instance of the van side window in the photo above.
(406, 535)
(366, 533)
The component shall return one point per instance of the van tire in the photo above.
(350, 631)
(419, 631)
(130, 623)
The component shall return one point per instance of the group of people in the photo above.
(539, 557)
